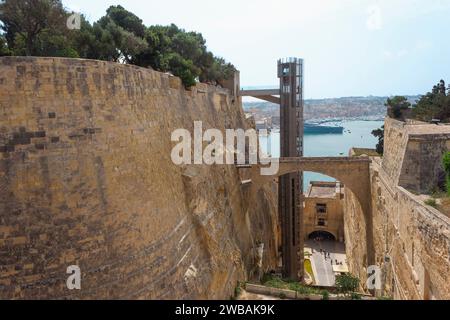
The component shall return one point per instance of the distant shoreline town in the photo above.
(325, 113)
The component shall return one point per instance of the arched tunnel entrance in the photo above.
(322, 236)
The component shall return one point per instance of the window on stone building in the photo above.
(321, 222)
(321, 208)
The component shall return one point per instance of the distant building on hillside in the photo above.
(264, 124)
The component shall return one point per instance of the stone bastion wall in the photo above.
(86, 179)
(411, 239)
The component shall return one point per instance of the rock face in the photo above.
(411, 239)
(86, 179)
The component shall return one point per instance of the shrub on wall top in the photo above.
(446, 164)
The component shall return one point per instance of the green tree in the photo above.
(396, 105)
(155, 55)
(178, 52)
(86, 43)
(127, 20)
(216, 70)
(38, 27)
(434, 104)
(347, 283)
(120, 33)
(56, 45)
(182, 68)
(29, 24)
(379, 133)
(4, 50)
(446, 164)
(169, 47)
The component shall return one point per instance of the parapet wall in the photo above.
(86, 179)
(413, 155)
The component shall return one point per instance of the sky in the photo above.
(349, 47)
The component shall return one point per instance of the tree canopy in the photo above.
(379, 133)
(434, 104)
(34, 27)
(38, 28)
(446, 165)
(4, 51)
(396, 105)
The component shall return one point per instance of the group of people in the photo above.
(327, 255)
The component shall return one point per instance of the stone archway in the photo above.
(353, 172)
(322, 234)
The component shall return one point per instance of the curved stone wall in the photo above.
(86, 179)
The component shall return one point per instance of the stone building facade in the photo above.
(324, 209)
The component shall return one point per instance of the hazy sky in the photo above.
(350, 47)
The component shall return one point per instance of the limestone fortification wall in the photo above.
(86, 179)
(396, 140)
(413, 155)
(411, 240)
(355, 235)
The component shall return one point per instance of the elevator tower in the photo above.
(290, 195)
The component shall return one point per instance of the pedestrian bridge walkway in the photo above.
(353, 172)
